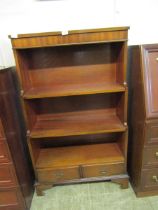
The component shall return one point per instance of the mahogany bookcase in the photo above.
(74, 96)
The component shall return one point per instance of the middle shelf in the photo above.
(77, 123)
(76, 115)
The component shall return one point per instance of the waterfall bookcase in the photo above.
(74, 95)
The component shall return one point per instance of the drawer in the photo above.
(58, 175)
(7, 176)
(4, 152)
(103, 170)
(149, 179)
(1, 130)
(152, 132)
(11, 199)
(150, 156)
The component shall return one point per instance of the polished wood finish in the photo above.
(143, 119)
(77, 123)
(16, 184)
(11, 199)
(73, 37)
(74, 94)
(4, 152)
(7, 176)
(77, 155)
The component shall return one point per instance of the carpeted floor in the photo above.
(92, 196)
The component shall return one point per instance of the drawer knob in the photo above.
(156, 154)
(155, 178)
(156, 59)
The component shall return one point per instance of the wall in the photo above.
(28, 16)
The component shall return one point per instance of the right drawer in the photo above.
(7, 176)
(4, 152)
(103, 170)
(152, 132)
(149, 179)
(150, 156)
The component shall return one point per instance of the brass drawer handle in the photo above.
(103, 172)
(156, 154)
(156, 59)
(155, 178)
(59, 174)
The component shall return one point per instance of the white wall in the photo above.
(28, 16)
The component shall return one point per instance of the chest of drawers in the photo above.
(16, 179)
(143, 119)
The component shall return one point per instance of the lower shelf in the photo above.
(68, 163)
(58, 157)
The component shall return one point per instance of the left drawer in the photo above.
(58, 175)
(11, 199)
(7, 176)
(4, 152)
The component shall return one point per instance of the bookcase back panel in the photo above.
(79, 140)
(75, 103)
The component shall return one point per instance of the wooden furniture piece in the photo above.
(75, 101)
(143, 119)
(16, 178)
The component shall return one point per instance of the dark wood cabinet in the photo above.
(74, 95)
(16, 175)
(143, 119)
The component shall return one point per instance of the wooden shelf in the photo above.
(79, 155)
(77, 123)
(72, 89)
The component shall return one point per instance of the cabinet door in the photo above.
(151, 80)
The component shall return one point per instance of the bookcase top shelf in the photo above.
(70, 38)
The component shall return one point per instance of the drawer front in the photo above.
(103, 170)
(152, 132)
(1, 130)
(58, 175)
(4, 152)
(149, 179)
(7, 176)
(150, 156)
(11, 200)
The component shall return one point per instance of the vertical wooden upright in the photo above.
(74, 95)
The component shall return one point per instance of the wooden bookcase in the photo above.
(74, 95)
